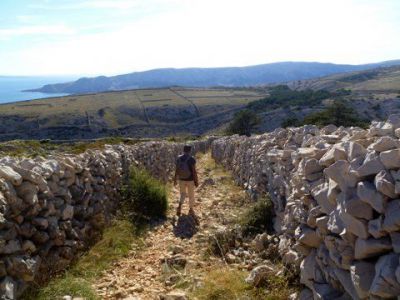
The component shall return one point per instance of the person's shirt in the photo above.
(191, 161)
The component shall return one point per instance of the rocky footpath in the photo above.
(336, 199)
(53, 208)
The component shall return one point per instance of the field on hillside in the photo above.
(113, 110)
(383, 80)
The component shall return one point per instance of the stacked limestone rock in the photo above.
(336, 197)
(52, 208)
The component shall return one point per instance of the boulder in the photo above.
(353, 206)
(320, 194)
(366, 248)
(392, 216)
(322, 224)
(332, 155)
(384, 183)
(395, 237)
(362, 274)
(358, 227)
(308, 267)
(367, 192)
(344, 278)
(372, 165)
(375, 228)
(309, 237)
(10, 175)
(326, 291)
(385, 284)
(259, 275)
(390, 159)
(340, 173)
(23, 267)
(355, 150)
(335, 223)
(380, 129)
(8, 288)
(28, 192)
(384, 143)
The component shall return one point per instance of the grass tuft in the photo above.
(144, 197)
(229, 284)
(117, 241)
(258, 217)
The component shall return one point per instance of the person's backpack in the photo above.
(183, 168)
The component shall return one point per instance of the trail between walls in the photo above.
(174, 258)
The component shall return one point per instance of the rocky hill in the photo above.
(207, 77)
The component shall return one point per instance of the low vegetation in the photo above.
(116, 242)
(144, 197)
(339, 114)
(243, 123)
(283, 96)
(258, 217)
(151, 113)
(228, 284)
(34, 148)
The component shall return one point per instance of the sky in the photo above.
(107, 37)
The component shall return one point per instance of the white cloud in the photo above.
(26, 18)
(101, 4)
(6, 33)
(211, 33)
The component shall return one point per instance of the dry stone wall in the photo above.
(336, 195)
(52, 208)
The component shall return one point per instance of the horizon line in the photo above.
(186, 68)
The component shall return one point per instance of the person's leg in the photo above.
(190, 185)
(182, 190)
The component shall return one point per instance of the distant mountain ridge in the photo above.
(208, 77)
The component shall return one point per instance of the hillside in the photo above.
(373, 94)
(378, 79)
(136, 113)
(207, 77)
(164, 112)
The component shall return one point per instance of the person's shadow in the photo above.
(186, 227)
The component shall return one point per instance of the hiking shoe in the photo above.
(195, 218)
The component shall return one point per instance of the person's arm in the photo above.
(195, 178)
(176, 176)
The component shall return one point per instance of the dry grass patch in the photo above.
(229, 284)
(117, 241)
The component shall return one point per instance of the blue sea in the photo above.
(11, 87)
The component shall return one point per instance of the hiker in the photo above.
(187, 176)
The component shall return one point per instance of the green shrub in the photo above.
(258, 217)
(243, 123)
(376, 107)
(144, 197)
(290, 122)
(282, 95)
(339, 114)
